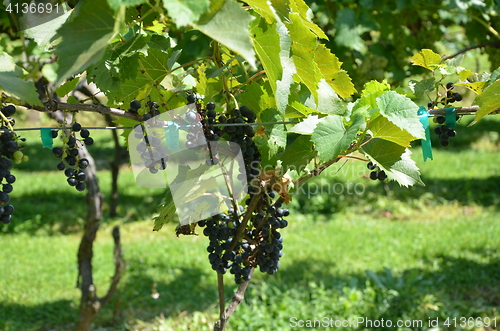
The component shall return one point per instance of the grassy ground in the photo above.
(360, 248)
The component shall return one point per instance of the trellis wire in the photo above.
(226, 124)
(155, 127)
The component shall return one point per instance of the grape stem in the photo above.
(222, 305)
(354, 157)
(253, 78)
(220, 64)
(6, 120)
(190, 63)
(237, 298)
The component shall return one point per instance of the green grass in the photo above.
(387, 252)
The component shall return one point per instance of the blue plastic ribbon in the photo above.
(451, 117)
(426, 143)
(172, 136)
(47, 140)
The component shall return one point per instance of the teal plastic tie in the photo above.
(172, 136)
(426, 143)
(47, 140)
(451, 117)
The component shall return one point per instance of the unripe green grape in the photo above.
(18, 155)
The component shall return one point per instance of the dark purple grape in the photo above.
(9, 110)
(76, 127)
(135, 104)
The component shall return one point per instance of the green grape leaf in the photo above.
(186, 12)
(67, 87)
(370, 93)
(105, 73)
(401, 111)
(494, 76)
(229, 26)
(12, 83)
(329, 66)
(160, 42)
(395, 160)
(94, 25)
(153, 69)
(463, 73)
(45, 34)
(382, 128)
(307, 126)
(264, 9)
(129, 66)
(272, 138)
(422, 86)
(284, 85)
(447, 70)
(328, 101)
(331, 137)
(168, 212)
(427, 58)
(256, 97)
(488, 101)
(297, 154)
(299, 6)
(266, 42)
(304, 44)
(298, 109)
(476, 87)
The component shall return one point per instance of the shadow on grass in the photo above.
(459, 287)
(483, 192)
(183, 289)
(56, 213)
(58, 315)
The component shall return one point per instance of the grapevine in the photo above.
(71, 162)
(10, 152)
(278, 96)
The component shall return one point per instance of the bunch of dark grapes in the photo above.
(270, 243)
(10, 152)
(260, 244)
(444, 132)
(450, 97)
(242, 135)
(153, 110)
(71, 162)
(260, 247)
(223, 254)
(377, 173)
(152, 152)
(135, 105)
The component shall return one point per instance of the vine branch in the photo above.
(75, 107)
(492, 43)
